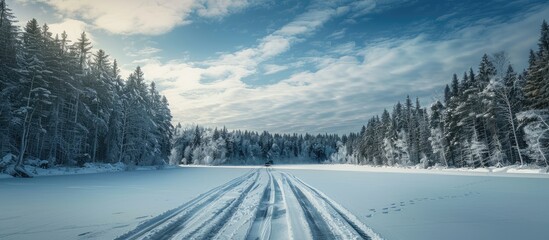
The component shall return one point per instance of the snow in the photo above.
(255, 206)
(507, 171)
(98, 206)
(2, 175)
(88, 168)
(446, 205)
(346, 200)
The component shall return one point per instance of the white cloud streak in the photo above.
(273, 68)
(350, 85)
(147, 17)
(73, 28)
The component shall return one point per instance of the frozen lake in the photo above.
(394, 205)
(435, 206)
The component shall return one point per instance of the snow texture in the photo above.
(415, 204)
(249, 206)
(98, 206)
(281, 202)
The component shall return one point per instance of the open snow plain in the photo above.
(278, 203)
(436, 205)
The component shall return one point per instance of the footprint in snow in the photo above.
(83, 234)
(121, 226)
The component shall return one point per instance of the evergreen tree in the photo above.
(8, 78)
(82, 48)
(537, 79)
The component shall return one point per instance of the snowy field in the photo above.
(98, 206)
(302, 201)
(438, 205)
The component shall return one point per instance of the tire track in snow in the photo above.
(261, 225)
(258, 205)
(360, 228)
(217, 222)
(280, 222)
(178, 216)
(317, 224)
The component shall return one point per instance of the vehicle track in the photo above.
(178, 216)
(317, 224)
(360, 228)
(256, 206)
(261, 226)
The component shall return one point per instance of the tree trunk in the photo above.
(19, 171)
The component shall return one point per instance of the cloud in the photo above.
(73, 28)
(219, 80)
(338, 34)
(347, 85)
(245, 62)
(142, 53)
(148, 17)
(344, 49)
(217, 8)
(446, 16)
(273, 68)
(362, 7)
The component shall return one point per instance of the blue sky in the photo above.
(295, 66)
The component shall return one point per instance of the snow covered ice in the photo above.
(98, 206)
(430, 204)
(283, 202)
(249, 206)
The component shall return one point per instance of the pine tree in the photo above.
(8, 77)
(33, 92)
(61, 105)
(537, 79)
(388, 139)
(447, 94)
(437, 140)
(509, 94)
(82, 48)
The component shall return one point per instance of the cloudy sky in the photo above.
(295, 65)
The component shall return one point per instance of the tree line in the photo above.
(199, 145)
(66, 104)
(491, 116)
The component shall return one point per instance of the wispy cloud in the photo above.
(350, 84)
(273, 68)
(142, 53)
(216, 8)
(212, 92)
(148, 17)
(73, 28)
(338, 34)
